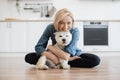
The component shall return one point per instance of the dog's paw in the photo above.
(66, 66)
(42, 67)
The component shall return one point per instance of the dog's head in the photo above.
(63, 38)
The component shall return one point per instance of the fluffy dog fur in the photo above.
(63, 39)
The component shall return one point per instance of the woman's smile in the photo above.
(65, 24)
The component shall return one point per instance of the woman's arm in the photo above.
(72, 47)
(43, 41)
(59, 53)
(51, 56)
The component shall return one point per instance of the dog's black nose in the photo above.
(63, 40)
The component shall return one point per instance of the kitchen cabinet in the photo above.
(18, 37)
(4, 37)
(114, 38)
(34, 32)
(13, 37)
(79, 25)
(22, 36)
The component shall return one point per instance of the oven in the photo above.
(95, 33)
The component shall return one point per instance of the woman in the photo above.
(64, 21)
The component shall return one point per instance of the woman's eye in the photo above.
(69, 23)
(60, 22)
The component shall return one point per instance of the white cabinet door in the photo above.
(12, 37)
(18, 37)
(4, 37)
(79, 25)
(114, 36)
(34, 30)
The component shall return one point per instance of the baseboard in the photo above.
(106, 53)
(21, 54)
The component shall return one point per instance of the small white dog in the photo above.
(62, 39)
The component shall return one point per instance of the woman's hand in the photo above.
(74, 57)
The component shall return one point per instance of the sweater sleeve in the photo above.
(72, 47)
(43, 41)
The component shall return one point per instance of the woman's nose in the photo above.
(66, 26)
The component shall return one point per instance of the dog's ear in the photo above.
(56, 33)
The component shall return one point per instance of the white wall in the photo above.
(92, 9)
(104, 10)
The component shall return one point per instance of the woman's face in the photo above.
(65, 24)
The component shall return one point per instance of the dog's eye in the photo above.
(66, 35)
(60, 36)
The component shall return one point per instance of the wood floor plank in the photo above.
(14, 68)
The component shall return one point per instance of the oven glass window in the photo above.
(95, 34)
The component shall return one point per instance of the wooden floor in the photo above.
(12, 68)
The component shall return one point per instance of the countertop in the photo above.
(48, 20)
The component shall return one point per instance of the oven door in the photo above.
(96, 34)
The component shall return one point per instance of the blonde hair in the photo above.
(60, 15)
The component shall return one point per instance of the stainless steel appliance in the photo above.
(95, 33)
